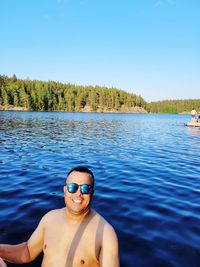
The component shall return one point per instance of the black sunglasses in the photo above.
(85, 188)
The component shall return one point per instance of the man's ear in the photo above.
(92, 193)
(64, 189)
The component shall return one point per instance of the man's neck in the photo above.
(76, 217)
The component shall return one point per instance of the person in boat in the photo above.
(198, 117)
(73, 236)
(193, 114)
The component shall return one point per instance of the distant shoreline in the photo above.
(87, 109)
(13, 108)
(133, 110)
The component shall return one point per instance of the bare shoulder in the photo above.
(109, 232)
(104, 221)
(53, 214)
(108, 229)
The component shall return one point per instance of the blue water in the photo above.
(147, 179)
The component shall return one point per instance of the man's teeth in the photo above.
(78, 201)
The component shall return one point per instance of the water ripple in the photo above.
(147, 179)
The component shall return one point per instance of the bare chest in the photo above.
(75, 247)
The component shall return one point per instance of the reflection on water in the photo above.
(194, 130)
(147, 179)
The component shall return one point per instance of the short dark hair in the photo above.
(82, 169)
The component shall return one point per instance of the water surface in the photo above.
(147, 179)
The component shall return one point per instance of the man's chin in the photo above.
(79, 211)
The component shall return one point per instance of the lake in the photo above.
(147, 174)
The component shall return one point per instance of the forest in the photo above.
(174, 106)
(55, 96)
(38, 95)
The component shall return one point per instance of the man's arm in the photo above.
(27, 251)
(109, 256)
(15, 253)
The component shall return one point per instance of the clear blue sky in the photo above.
(148, 47)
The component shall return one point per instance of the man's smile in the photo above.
(77, 200)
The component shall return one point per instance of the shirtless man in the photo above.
(74, 236)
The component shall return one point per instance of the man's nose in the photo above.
(78, 192)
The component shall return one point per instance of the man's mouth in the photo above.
(77, 201)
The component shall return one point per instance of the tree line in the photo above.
(55, 96)
(173, 106)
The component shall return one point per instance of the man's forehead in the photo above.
(76, 175)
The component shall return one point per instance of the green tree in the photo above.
(4, 96)
(23, 97)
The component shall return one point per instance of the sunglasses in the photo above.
(85, 188)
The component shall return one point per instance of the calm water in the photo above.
(147, 179)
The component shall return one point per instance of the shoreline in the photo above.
(86, 109)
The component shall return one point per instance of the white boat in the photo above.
(193, 124)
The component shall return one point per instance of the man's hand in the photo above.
(2, 263)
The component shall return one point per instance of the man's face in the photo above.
(78, 203)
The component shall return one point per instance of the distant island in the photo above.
(33, 95)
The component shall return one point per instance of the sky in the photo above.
(147, 47)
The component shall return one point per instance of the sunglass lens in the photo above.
(85, 189)
(72, 188)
